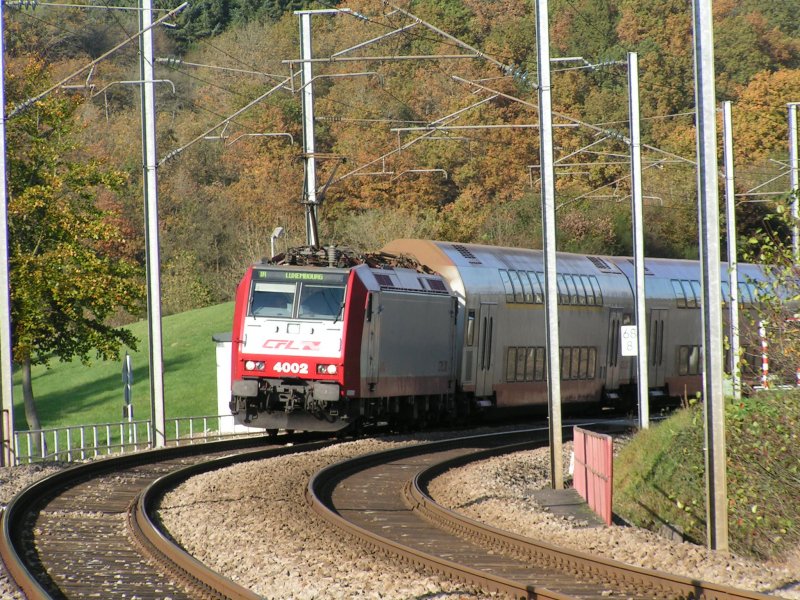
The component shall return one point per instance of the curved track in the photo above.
(87, 532)
(381, 500)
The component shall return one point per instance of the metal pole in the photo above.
(157, 417)
(717, 508)
(307, 96)
(638, 241)
(6, 357)
(549, 227)
(794, 169)
(733, 267)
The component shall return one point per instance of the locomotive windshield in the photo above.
(320, 301)
(298, 300)
(272, 299)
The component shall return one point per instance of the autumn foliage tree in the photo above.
(67, 268)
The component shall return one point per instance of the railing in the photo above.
(82, 442)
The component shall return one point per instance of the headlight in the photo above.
(326, 369)
(252, 365)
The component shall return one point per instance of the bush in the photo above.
(659, 477)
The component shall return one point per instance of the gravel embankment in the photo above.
(498, 492)
(252, 522)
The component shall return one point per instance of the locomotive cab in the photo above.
(325, 348)
(287, 346)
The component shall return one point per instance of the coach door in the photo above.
(613, 349)
(655, 346)
(373, 342)
(486, 352)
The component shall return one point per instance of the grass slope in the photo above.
(72, 393)
(659, 478)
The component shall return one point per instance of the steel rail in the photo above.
(23, 561)
(581, 566)
(145, 527)
(319, 495)
(663, 584)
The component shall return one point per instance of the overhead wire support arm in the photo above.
(401, 173)
(337, 75)
(133, 82)
(225, 121)
(601, 130)
(455, 40)
(270, 134)
(422, 136)
(35, 3)
(31, 101)
(375, 40)
(331, 59)
(179, 62)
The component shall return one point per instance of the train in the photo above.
(434, 332)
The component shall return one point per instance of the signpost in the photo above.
(629, 337)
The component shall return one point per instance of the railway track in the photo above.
(88, 531)
(381, 500)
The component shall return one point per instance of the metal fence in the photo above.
(81, 442)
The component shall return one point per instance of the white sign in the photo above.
(628, 337)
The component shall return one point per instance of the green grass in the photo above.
(659, 477)
(72, 393)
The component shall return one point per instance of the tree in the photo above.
(776, 298)
(67, 267)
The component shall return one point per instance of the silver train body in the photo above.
(500, 333)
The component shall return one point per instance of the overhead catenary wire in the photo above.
(31, 101)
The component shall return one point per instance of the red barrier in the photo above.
(594, 470)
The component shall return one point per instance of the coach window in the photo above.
(470, 327)
(521, 357)
(537, 281)
(753, 292)
(679, 295)
(598, 293)
(698, 293)
(575, 364)
(691, 299)
(526, 287)
(272, 299)
(587, 286)
(566, 354)
(689, 360)
(744, 293)
(726, 291)
(563, 291)
(511, 364)
(507, 285)
(585, 295)
(583, 372)
(591, 369)
(573, 289)
(529, 358)
(515, 281)
(538, 369)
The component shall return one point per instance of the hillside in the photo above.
(72, 393)
(229, 182)
(763, 457)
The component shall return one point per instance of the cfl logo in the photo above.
(291, 345)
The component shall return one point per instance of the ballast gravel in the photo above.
(252, 523)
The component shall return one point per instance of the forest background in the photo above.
(222, 195)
